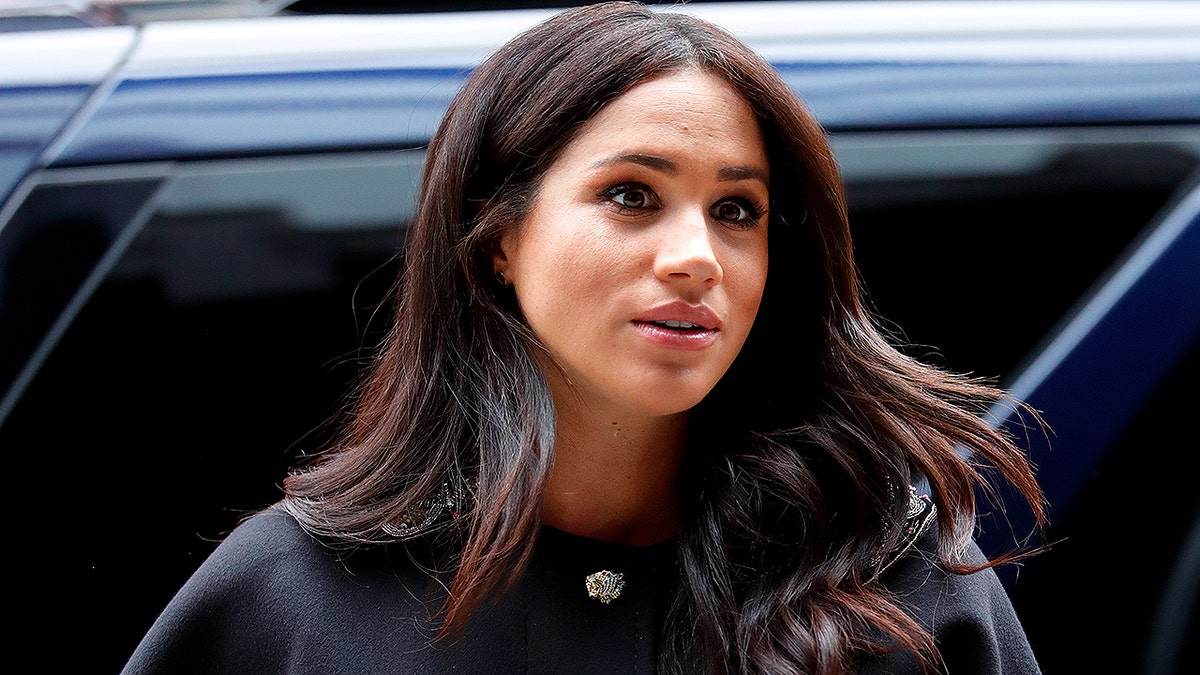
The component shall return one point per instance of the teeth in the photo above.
(671, 323)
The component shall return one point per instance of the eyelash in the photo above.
(753, 209)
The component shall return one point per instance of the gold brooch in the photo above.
(605, 586)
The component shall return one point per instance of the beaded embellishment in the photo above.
(920, 514)
(605, 586)
(451, 500)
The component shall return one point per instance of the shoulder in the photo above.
(267, 540)
(269, 590)
(969, 616)
(270, 548)
(218, 615)
(261, 558)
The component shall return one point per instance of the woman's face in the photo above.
(642, 262)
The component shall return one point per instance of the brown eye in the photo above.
(735, 212)
(730, 211)
(630, 196)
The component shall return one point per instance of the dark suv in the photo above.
(201, 222)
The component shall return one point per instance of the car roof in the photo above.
(218, 87)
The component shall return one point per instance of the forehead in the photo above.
(689, 112)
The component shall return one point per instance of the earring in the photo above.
(501, 280)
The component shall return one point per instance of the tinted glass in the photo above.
(218, 344)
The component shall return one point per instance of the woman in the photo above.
(631, 415)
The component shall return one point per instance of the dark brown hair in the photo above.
(819, 426)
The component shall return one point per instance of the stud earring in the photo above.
(500, 279)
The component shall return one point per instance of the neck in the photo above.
(615, 477)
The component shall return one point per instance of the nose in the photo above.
(686, 253)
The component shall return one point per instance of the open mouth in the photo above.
(678, 325)
(677, 333)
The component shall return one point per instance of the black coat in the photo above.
(272, 600)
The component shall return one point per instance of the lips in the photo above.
(678, 325)
(698, 316)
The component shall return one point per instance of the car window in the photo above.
(53, 250)
(974, 244)
(1117, 382)
(204, 360)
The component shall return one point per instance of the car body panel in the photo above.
(221, 88)
(58, 71)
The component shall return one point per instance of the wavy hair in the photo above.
(808, 441)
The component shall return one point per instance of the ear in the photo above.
(500, 261)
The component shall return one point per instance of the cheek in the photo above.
(562, 271)
(746, 286)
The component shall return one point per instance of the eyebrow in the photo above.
(649, 161)
(743, 173)
(725, 173)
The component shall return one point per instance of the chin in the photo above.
(662, 397)
(660, 408)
